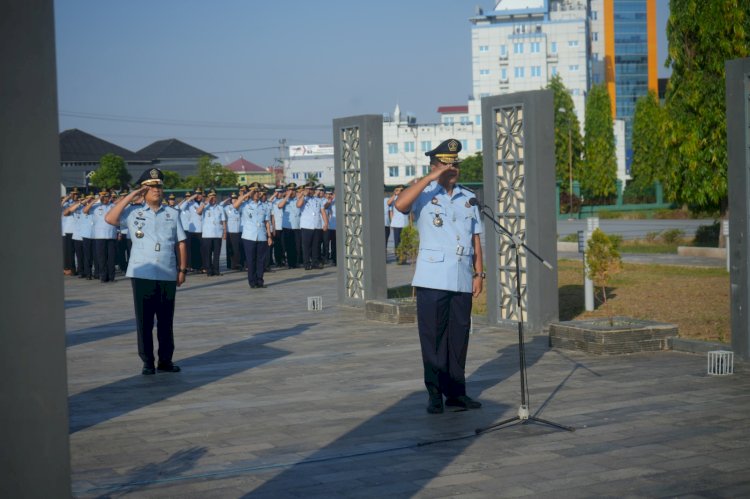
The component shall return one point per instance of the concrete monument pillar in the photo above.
(34, 453)
(518, 139)
(360, 244)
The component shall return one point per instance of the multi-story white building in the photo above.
(306, 162)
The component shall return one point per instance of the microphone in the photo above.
(475, 202)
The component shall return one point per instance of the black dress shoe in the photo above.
(463, 402)
(261, 286)
(168, 368)
(147, 371)
(435, 405)
(253, 286)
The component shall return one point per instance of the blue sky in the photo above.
(233, 77)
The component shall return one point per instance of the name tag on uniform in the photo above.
(157, 247)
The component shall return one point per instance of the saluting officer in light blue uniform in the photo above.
(290, 225)
(155, 230)
(105, 236)
(194, 228)
(313, 221)
(256, 232)
(449, 272)
(213, 232)
(234, 260)
(278, 220)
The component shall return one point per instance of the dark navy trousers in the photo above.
(255, 253)
(444, 319)
(154, 299)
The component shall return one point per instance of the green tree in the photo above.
(211, 174)
(648, 144)
(471, 169)
(568, 141)
(112, 173)
(701, 36)
(311, 177)
(602, 262)
(599, 171)
(172, 180)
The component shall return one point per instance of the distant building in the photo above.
(305, 162)
(174, 155)
(248, 172)
(80, 153)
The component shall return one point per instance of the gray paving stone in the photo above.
(276, 401)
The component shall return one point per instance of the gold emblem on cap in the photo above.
(154, 173)
(453, 146)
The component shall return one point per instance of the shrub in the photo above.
(635, 193)
(408, 248)
(672, 236)
(565, 203)
(708, 235)
(570, 238)
(651, 236)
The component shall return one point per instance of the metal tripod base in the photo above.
(523, 418)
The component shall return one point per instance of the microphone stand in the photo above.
(523, 416)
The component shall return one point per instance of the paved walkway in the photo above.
(276, 401)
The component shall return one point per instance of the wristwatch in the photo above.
(479, 274)
(184, 271)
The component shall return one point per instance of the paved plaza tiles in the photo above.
(277, 401)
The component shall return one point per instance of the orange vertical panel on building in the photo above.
(653, 73)
(609, 53)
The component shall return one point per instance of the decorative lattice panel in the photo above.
(511, 205)
(353, 216)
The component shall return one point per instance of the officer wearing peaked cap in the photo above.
(153, 268)
(449, 271)
(290, 228)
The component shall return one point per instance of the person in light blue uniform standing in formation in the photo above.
(155, 230)
(278, 227)
(104, 237)
(194, 228)
(290, 225)
(387, 212)
(449, 272)
(313, 215)
(329, 238)
(68, 224)
(234, 261)
(214, 227)
(81, 234)
(256, 232)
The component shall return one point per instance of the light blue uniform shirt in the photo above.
(398, 219)
(102, 230)
(278, 215)
(291, 214)
(68, 223)
(213, 218)
(77, 216)
(445, 250)
(387, 211)
(233, 218)
(254, 217)
(194, 221)
(153, 255)
(331, 212)
(85, 225)
(184, 217)
(310, 217)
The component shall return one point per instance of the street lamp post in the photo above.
(570, 163)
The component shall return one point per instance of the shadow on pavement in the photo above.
(404, 429)
(121, 397)
(99, 332)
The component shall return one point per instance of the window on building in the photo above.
(393, 171)
(518, 72)
(594, 15)
(518, 48)
(479, 144)
(503, 50)
(464, 120)
(553, 70)
(484, 48)
(425, 169)
(595, 56)
(464, 144)
(448, 120)
(534, 47)
(425, 145)
(408, 146)
(483, 95)
(295, 176)
(484, 71)
(595, 36)
(503, 73)
(573, 67)
(536, 71)
(572, 43)
(553, 47)
(478, 119)
(410, 170)
(392, 148)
